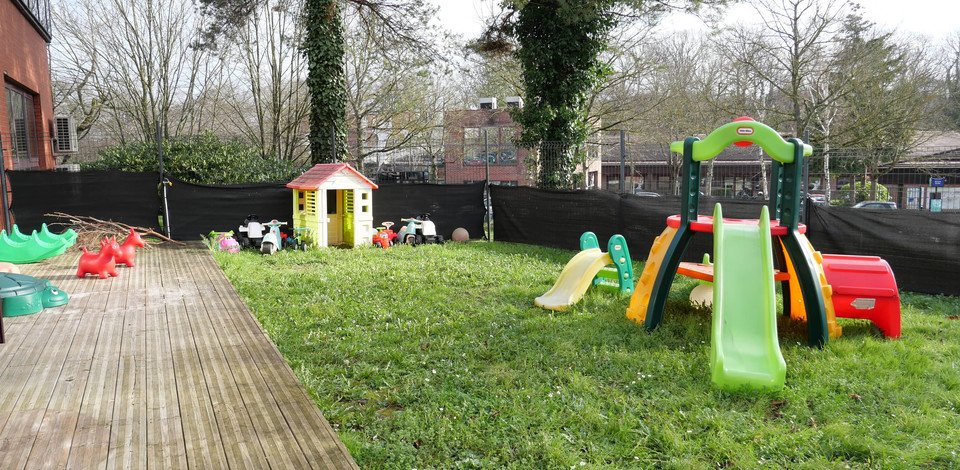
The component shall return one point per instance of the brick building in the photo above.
(26, 108)
(464, 149)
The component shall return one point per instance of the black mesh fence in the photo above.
(196, 210)
(922, 247)
(133, 198)
(450, 206)
(130, 198)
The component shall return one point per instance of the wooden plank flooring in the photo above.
(162, 367)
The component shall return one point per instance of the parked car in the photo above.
(818, 199)
(875, 205)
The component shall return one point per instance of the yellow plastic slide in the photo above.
(576, 278)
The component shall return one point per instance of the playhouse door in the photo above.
(334, 217)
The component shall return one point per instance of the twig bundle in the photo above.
(90, 230)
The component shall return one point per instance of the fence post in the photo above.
(806, 181)
(7, 225)
(163, 184)
(623, 161)
(487, 203)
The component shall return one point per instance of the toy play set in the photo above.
(611, 270)
(750, 256)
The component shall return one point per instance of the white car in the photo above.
(883, 205)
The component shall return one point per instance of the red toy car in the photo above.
(385, 237)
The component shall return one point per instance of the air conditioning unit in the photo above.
(65, 135)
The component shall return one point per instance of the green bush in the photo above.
(201, 159)
(861, 192)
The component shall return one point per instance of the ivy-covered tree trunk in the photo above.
(323, 46)
(560, 45)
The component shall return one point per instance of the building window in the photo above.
(499, 149)
(22, 137)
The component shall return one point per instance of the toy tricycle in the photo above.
(299, 240)
(385, 236)
(419, 230)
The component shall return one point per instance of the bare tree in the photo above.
(786, 51)
(268, 94)
(129, 65)
(388, 85)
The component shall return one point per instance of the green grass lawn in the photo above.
(435, 356)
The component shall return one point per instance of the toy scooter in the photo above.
(419, 230)
(250, 233)
(271, 241)
(385, 236)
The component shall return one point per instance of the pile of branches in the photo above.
(90, 230)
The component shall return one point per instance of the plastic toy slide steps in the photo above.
(577, 276)
(18, 248)
(637, 311)
(744, 348)
(797, 308)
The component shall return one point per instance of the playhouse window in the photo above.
(364, 196)
(331, 201)
(364, 208)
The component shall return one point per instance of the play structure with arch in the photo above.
(750, 257)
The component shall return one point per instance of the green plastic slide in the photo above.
(18, 248)
(744, 349)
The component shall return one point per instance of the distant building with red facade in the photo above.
(26, 107)
(465, 151)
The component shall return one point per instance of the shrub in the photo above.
(860, 192)
(200, 159)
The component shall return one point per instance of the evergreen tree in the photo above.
(323, 46)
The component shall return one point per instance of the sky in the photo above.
(933, 18)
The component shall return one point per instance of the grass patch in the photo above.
(435, 356)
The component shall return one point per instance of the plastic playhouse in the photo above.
(750, 255)
(612, 270)
(19, 248)
(334, 202)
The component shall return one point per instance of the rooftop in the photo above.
(314, 178)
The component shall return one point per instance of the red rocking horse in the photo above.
(102, 264)
(128, 250)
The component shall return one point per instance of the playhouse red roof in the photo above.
(312, 179)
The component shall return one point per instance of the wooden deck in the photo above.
(163, 367)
